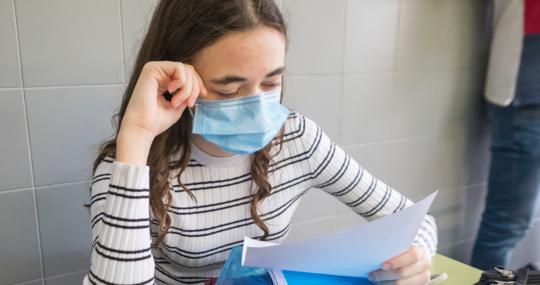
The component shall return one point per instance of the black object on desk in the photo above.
(501, 276)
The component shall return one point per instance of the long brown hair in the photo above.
(177, 31)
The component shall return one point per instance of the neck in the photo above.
(208, 147)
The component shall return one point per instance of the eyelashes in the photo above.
(228, 95)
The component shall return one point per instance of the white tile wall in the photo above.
(424, 35)
(411, 110)
(324, 94)
(20, 258)
(55, 117)
(67, 42)
(136, 15)
(396, 83)
(527, 247)
(67, 279)
(370, 109)
(34, 282)
(316, 35)
(9, 57)
(61, 78)
(15, 162)
(64, 227)
(373, 51)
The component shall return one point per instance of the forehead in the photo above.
(258, 50)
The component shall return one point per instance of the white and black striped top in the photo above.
(202, 234)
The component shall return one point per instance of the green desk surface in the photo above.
(458, 273)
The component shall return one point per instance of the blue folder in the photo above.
(233, 273)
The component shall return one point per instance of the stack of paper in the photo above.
(353, 252)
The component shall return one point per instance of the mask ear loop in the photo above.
(191, 111)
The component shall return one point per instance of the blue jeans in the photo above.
(513, 183)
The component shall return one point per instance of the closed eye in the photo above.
(226, 95)
(271, 84)
(267, 85)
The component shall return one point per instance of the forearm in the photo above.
(122, 252)
(133, 145)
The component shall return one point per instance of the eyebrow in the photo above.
(232, 78)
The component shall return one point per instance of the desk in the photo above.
(458, 273)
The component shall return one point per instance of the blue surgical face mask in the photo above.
(240, 125)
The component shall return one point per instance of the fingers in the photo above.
(204, 92)
(418, 267)
(411, 266)
(198, 90)
(167, 74)
(198, 87)
(185, 90)
(194, 93)
(180, 79)
(410, 256)
(191, 88)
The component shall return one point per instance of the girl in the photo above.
(185, 180)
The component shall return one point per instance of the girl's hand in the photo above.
(409, 268)
(148, 112)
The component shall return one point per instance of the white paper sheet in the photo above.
(277, 277)
(355, 251)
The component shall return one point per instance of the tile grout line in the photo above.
(120, 13)
(383, 71)
(92, 85)
(342, 82)
(65, 183)
(395, 83)
(95, 85)
(458, 188)
(30, 282)
(398, 139)
(397, 39)
(32, 178)
(10, 88)
(12, 190)
(460, 241)
(67, 274)
(62, 86)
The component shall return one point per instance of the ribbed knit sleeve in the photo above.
(120, 225)
(340, 175)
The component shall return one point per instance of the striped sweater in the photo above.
(202, 234)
